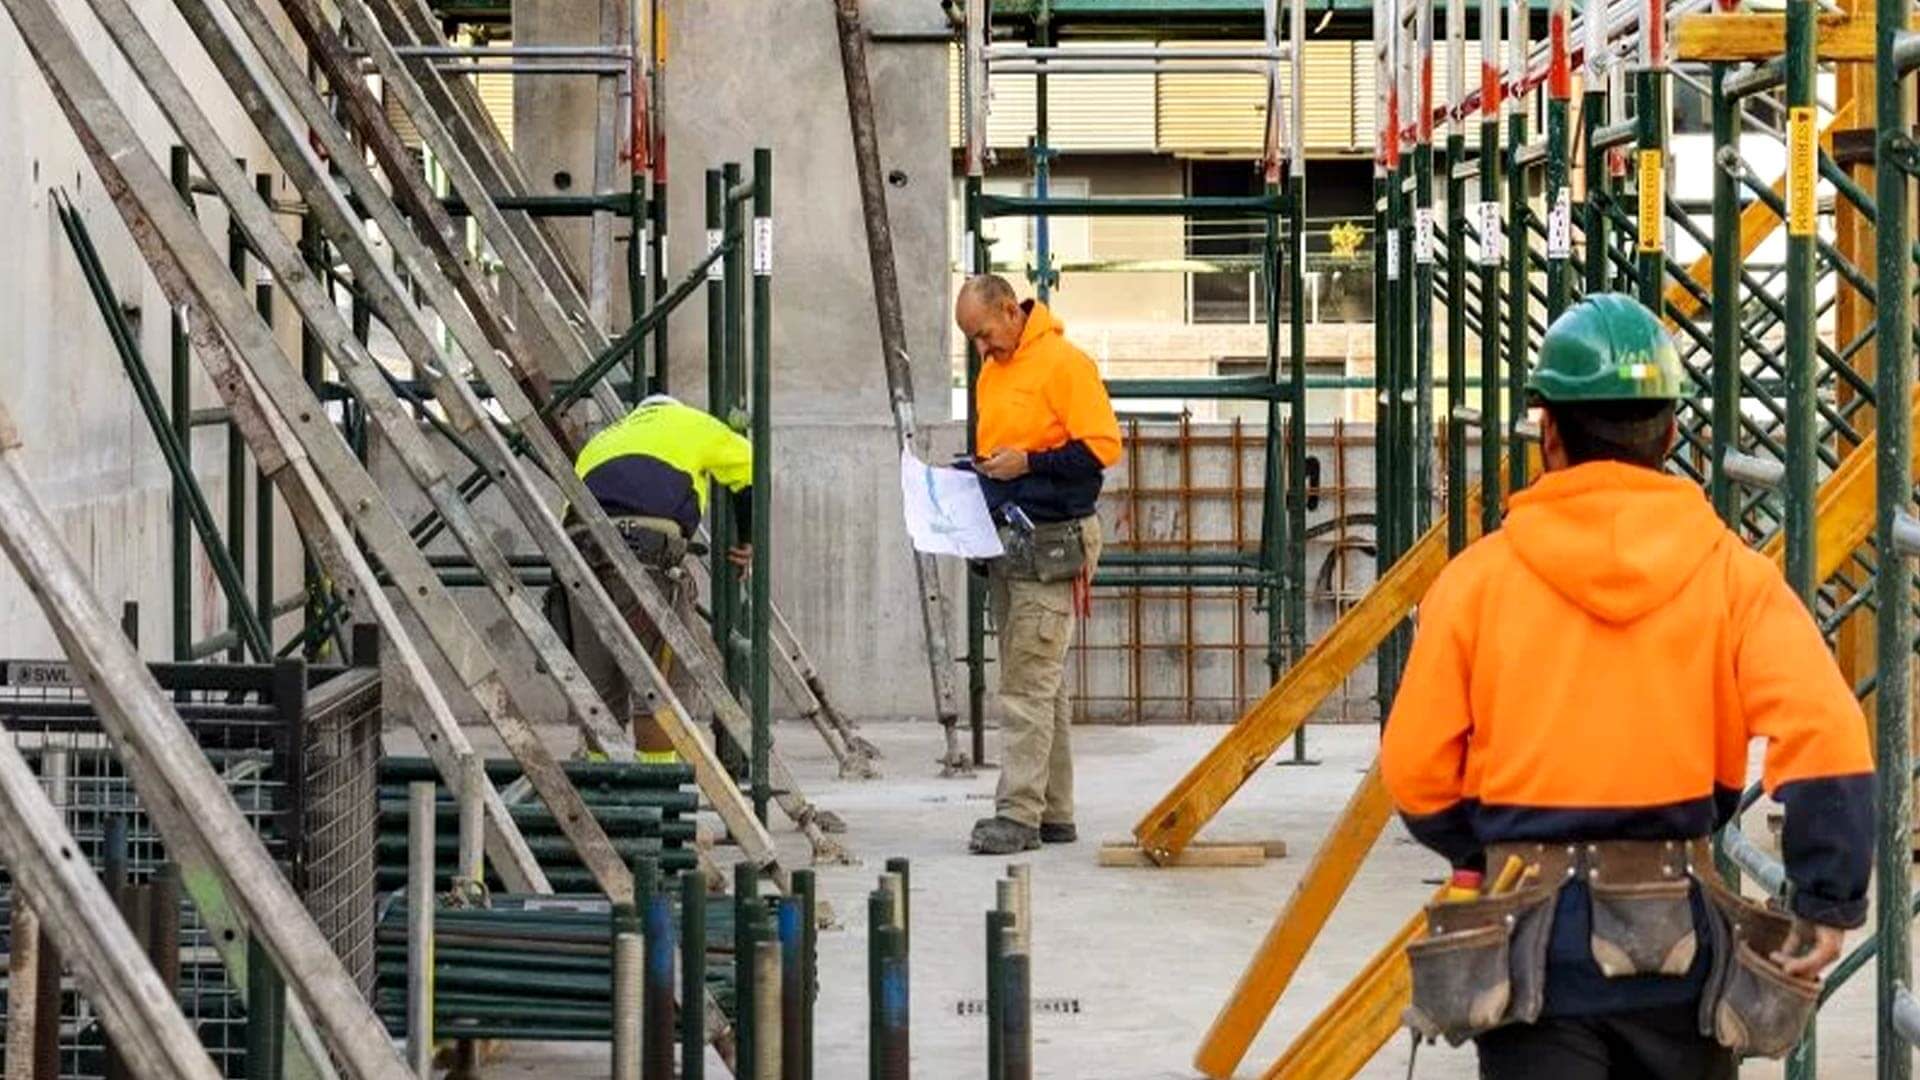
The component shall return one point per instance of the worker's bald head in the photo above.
(989, 315)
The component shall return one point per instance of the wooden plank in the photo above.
(1273, 965)
(1355, 1025)
(1178, 817)
(1843, 512)
(1199, 855)
(1763, 36)
(137, 1010)
(1275, 849)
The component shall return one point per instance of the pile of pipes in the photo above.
(534, 967)
(646, 810)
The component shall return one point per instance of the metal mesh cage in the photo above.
(296, 748)
(337, 805)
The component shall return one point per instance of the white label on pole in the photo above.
(1423, 235)
(763, 247)
(966, 254)
(715, 269)
(1490, 239)
(664, 264)
(29, 674)
(1560, 226)
(645, 257)
(262, 275)
(1393, 255)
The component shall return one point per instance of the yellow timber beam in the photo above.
(1347, 1033)
(1179, 816)
(1293, 933)
(1757, 36)
(1843, 509)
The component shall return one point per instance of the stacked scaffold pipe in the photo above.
(533, 967)
(583, 968)
(647, 810)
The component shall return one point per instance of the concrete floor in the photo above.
(1148, 954)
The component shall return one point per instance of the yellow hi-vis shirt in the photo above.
(660, 459)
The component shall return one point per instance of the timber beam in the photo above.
(1758, 36)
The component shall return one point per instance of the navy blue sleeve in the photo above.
(743, 514)
(1828, 844)
(1450, 833)
(1071, 461)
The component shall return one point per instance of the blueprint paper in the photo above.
(946, 511)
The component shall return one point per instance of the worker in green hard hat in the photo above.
(1574, 724)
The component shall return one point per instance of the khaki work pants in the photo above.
(1034, 621)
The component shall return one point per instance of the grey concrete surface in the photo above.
(87, 449)
(1149, 954)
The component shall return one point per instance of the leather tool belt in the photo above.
(1482, 964)
(1055, 551)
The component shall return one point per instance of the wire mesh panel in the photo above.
(336, 804)
(289, 768)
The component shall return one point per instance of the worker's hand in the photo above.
(1004, 464)
(741, 556)
(1811, 948)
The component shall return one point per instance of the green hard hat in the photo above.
(1608, 347)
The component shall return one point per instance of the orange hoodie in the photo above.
(1048, 400)
(1596, 668)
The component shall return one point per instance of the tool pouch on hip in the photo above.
(652, 547)
(1643, 928)
(1053, 552)
(1752, 1006)
(1482, 964)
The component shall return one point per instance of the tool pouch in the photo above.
(1752, 1006)
(1643, 928)
(1053, 552)
(1482, 964)
(652, 547)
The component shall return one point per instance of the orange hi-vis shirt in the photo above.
(1596, 669)
(1045, 395)
(1048, 400)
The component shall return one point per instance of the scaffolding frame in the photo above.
(1776, 429)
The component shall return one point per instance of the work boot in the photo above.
(1058, 832)
(1003, 836)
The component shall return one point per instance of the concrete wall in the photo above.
(742, 76)
(88, 452)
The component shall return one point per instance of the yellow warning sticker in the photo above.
(1802, 153)
(1653, 202)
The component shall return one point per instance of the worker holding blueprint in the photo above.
(1045, 433)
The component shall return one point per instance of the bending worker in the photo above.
(1046, 432)
(651, 471)
(1574, 722)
